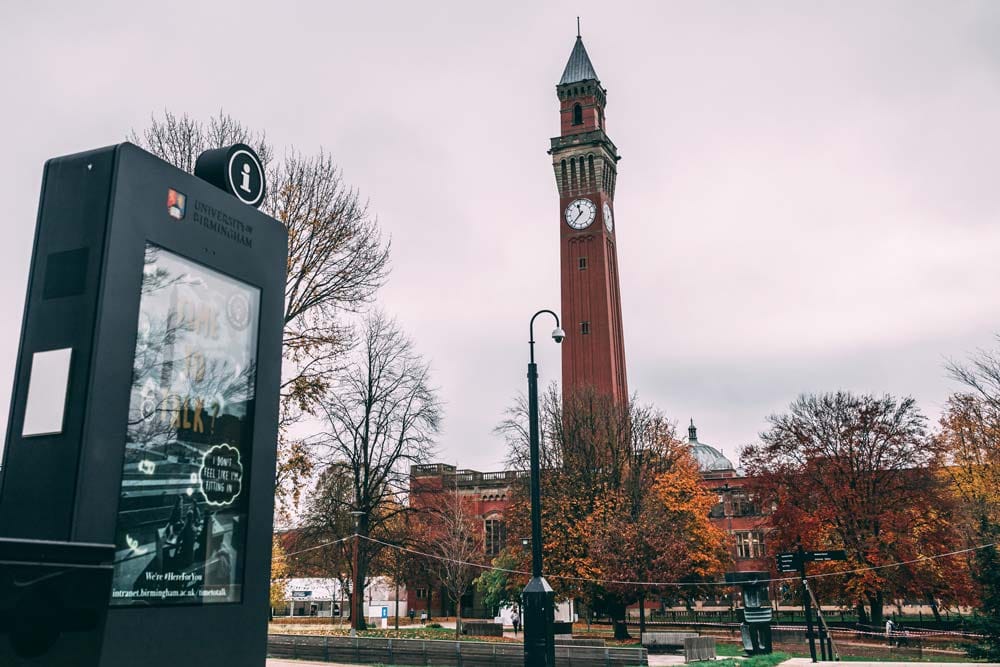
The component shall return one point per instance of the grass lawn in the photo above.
(755, 661)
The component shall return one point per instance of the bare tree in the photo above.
(381, 417)
(337, 260)
(454, 538)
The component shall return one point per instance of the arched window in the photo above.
(564, 183)
(496, 535)
(593, 177)
(572, 173)
(577, 114)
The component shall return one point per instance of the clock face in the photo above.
(580, 213)
(609, 220)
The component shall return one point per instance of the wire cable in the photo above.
(677, 584)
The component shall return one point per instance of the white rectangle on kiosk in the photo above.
(47, 388)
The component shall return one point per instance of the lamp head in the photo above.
(558, 334)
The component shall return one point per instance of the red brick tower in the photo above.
(585, 159)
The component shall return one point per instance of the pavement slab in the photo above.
(806, 662)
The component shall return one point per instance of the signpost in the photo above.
(144, 411)
(792, 561)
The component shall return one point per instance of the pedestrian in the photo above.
(515, 620)
(889, 628)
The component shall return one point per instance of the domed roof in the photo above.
(709, 458)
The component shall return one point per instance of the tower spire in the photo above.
(578, 27)
(578, 68)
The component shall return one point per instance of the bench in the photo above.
(572, 641)
(664, 640)
(699, 648)
(562, 628)
(482, 629)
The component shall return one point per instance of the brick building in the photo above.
(487, 495)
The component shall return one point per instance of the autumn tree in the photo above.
(854, 472)
(337, 260)
(323, 539)
(968, 444)
(279, 574)
(451, 535)
(620, 502)
(380, 417)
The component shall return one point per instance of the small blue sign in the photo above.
(385, 612)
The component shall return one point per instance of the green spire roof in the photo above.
(579, 67)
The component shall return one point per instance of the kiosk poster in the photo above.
(183, 510)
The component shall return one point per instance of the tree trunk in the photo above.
(862, 614)
(934, 607)
(617, 612)
(876, 603)
(642, 613)
(358, 601)
(458, 619)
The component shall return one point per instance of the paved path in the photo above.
(806, 662)
(662, 659)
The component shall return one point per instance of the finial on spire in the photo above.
(692, 432)
(578, 27)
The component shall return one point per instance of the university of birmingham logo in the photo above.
(176, 202)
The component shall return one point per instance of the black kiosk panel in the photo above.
(167, 445)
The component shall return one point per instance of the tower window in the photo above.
(577, 114)
(583, 263)
(584, 328)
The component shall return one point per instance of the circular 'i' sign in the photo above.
(236, 169)
(246, 176)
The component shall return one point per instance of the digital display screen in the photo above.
(182, 517)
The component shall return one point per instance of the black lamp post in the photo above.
(539, 599)
(358, 588)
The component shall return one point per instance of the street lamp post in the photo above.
(356, 589)
(539, 599)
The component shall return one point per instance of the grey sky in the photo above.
(808, 198)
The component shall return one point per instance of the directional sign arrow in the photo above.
(819, 556)
(787, 562)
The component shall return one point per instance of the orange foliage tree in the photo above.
(968, 447)
(621, 505)
(854, 472)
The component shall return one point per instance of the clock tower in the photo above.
(585, 163)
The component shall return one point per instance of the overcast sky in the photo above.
(808, 199)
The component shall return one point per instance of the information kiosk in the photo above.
(144, 410)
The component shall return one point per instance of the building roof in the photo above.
(709, 458)
(579, 67)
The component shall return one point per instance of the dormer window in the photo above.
(577, 114)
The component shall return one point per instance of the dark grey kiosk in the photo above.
(137, 489)
(757, 612)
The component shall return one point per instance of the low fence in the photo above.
(839, 617)
(367, 650)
